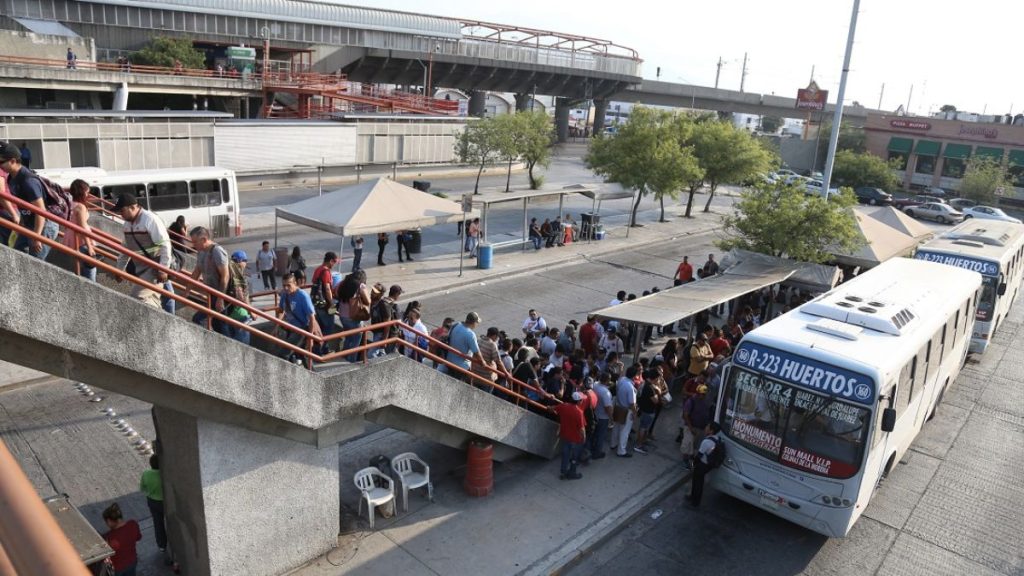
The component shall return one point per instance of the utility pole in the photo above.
(743, 75)
(837, 120)
(812, 72)
(880, 94)
(908, 98)
(718, 72)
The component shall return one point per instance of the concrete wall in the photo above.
(274, 144)
(799, 154)
(409, 142)
(31, 45)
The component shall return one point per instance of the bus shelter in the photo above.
(485, 201)
(598, 194)
(675, 304)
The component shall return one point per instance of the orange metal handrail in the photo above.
(309, 338)
(30, 538)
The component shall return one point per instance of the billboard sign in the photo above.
(811, 98)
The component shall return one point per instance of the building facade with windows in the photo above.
(935, 151)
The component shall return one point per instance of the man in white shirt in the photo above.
(534, 325)
(624, 413)
(603, 415)
(266, 259)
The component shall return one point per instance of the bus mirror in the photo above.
(1002, 289)
(888, 420)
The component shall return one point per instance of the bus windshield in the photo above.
(987, 302)
(799, 428)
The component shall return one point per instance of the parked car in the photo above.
(941, 213)
(961, 203)
(873, 196)
(815, 187)
(901, 203)
(988, 213)
(934, 191)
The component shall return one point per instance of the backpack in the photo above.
(381, 311)
(316, 291)
(238, 288)
(717, 456)
(58, 200)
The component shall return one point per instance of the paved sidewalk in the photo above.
(437, 267)
(533, 523)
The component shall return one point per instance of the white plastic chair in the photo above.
(411, 478)
(373, 495)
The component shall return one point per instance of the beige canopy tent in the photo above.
(374, 206)
(893, 218)
(815, 278)
(880, 243)
(674, 304)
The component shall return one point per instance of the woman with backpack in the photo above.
(353, 308)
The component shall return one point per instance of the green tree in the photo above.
(770, 124)
(507, 141)
(947, 108)
(782, 221)
(537, 135)
(477, 144)
(855, 169)
(675, 163)
(164, 51)
(727, 154)
(646, 155)
(981, 179)
(850, 138)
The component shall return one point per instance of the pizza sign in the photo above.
(811, 98)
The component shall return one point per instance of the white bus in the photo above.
(819, 404)
(992, 248)
(205, 196)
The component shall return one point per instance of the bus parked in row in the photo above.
(205, 196)
(819, 404)
(994, 249)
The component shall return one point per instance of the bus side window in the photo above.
(905, 388)
(115, 191)
(949, 334)
(205, 193)
(937, 343)
(225, 191)
(956, 325)
(168, 196)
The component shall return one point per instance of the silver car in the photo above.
(989, 213)
(941, 213)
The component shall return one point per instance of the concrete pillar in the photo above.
(523, 101)
(120, 98)
(562, 119)
(477, 103)
(242, 502)
(600, 110)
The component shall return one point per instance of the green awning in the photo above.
(1016, 157)
(996, 154)
(957, 151)
(927, 148)
(901, 145)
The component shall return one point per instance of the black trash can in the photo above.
(588, 224)
(415, 241)
(421, 185)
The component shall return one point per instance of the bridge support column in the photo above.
(523, 101)
(121, 98)
(477, 103)
(242, 502)
(600, 110)
(562, 119)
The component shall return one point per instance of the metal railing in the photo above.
(31, 542)
(122, 68)
(518, 392)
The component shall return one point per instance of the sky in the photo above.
(929, 53)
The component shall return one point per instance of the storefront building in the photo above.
(935, 152)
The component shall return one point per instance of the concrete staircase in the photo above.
(236, 422)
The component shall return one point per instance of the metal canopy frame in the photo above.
(485, 201)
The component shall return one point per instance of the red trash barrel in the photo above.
(479, 469)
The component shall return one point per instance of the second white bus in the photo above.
(992, 248)
(205, 196)
(819, 404)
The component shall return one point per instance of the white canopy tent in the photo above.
(893, 218)
(374, 206)
(881, 242)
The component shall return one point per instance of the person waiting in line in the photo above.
(80, 216)
(402, 240)
(382, 243)
(296, 308)
(121, 537)
(179, 232)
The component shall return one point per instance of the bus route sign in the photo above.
(807, 373)
(983, 267)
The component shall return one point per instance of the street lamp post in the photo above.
(833, 141)
(430, 71)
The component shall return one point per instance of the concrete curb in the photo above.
(601, 531)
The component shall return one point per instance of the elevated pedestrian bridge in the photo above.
(249, 440)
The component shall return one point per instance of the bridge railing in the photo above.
(312, 348)
(115, 67)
